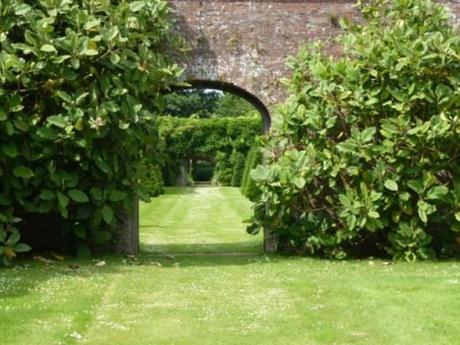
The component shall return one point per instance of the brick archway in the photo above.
(235, 90)
(246, 43)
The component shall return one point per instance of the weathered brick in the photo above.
(246, 42)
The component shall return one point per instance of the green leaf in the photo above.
(89, 52)
(49, 48)
(3, 116)
(13, 239)
(22, 248)
(96, 193)
(63, 200)
(91, 24)
(424, 209)
(47, 194)
(373, 214)
(107, 214)
(136, 6)
(416, 186)
(437, 192)
(47, 133)
(64, 96)
(299, 182)
(78, 196)
(102, 165)
(21, 9)
(345, 201)
(391, 185)
(10, 149)
(368, 134)
(116, 195)
(57, 120)
(22, 171)
(457, 216)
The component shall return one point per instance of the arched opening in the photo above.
(233, 89)
(203, 208)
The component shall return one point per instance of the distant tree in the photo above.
(204, 104)
(229, 105)
(186, 103)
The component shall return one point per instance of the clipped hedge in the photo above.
(223, 141)
(248, 185)
(77, 80)
(367, 159)
(238, 159)
(151, 178)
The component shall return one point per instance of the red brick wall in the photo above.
(246, 42)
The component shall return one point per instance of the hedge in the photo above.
(224, 141)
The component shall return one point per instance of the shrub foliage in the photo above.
(76, 82)
(367, 158)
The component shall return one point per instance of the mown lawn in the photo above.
(198, 296)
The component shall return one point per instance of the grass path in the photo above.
(211, 299)
(197, 220)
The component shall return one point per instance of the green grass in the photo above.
(198, 220)
(237, 298)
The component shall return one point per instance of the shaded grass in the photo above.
(235, 299)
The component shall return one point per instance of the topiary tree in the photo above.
(366, 161)
(77, 80)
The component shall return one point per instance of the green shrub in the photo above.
(223, 169)
(238, 160)
(152, 178)
(77, 80)
(9, 239)
(367, 158)
(248, 185)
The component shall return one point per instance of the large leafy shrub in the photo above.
(77, 80)
(367, 159)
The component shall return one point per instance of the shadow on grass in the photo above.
(180, 190)
(27, 276)
(246, 247)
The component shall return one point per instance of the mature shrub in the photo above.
(77, 79)
(367, 159)
(220, 140)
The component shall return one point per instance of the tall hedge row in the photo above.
(367, 161)
(77, 79)
(224, 141)
(248, 185)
